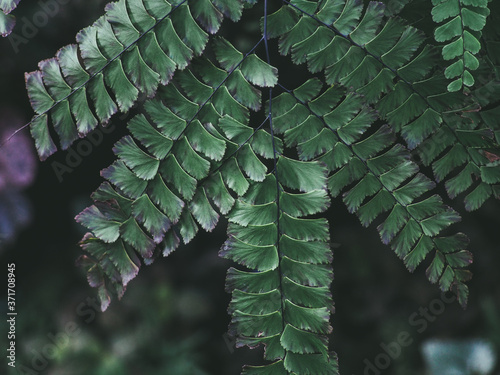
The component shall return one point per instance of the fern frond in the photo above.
(7, 21)
(187, 158)
(471, 157)
(282, 299)
(482, 117)
(461, 24)
(381, 175)
(382, 108)
(387, 66)
(183, 179)
(132, 49)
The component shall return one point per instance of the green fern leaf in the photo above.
(133, 48)
(381, 175)
(157, 188)
(286, 251)
(418, 105)
(464, 21)
(379, 109)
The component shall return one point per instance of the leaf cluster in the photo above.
(376, 122)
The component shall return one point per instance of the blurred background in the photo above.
(173, 319)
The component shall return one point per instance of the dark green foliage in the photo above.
(377, 109)
(463, 22)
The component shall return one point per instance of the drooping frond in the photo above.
(378, 112)
(183, 177)
(383, 61)
(7, 21)
(133, 48)
(177, 161)
(282, 298)
(461, 22)
(336, 128)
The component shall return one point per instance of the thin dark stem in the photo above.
(275, 162)
(219, 86)
(265, 33)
